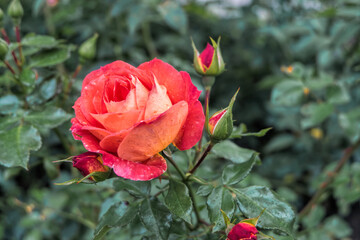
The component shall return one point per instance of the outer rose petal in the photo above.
(147, 170)
(167, 76)
(147, 139)
(112, 142)
(192, 130)
(116, 122)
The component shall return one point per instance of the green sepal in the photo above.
(253, 221)
(261, 236)
(217, 63)
(224, 127)
(226, 218)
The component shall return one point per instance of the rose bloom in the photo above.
(243, 231)
(130, 114)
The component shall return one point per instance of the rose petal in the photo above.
(149, 138)
(144, 171)
(141, 94)
(207, 55)
(191, 93)
(92, 76)
(124, 69)
(123, 106)
(111, 142)
(158, 101)
(116, 122)
(167, 76)
(192, 130)
(99, 133)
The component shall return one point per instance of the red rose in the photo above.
(243, 231)
(130, 114)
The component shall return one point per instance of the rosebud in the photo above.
(87, 50)
(209, 62)
(220, 125)
(3, 49)
(243, 231)
(15, 11)
(91, 163)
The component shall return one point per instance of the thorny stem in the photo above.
(203, 156)
(186, 182)
(206, 103)
(18, 39)
(330, 178)
(9, 67)
(6, 37)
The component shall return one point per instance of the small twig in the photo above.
(330, 178)
(9, 67)
(18, 39)
(206, 103)
(203, 156)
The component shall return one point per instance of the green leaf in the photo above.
(350, 123)
(232, 152)
(118, 215)
(50, 57)
(50, 117)
(315, 113)
(174, 16)
(204, 190)
(278, 215)
(288, 93)
(337, 94)
(137, 14)
(137, 188)
(280, 142)
(233, 174)
(220, 199)
(16, 145)
(261, 133)
(337, 227)
(9, 104)
(155, 217)
(178, 200)
(28, 78)
(40, 41)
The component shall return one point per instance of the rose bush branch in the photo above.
(329, 179)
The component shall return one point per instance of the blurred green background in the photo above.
(297, 64)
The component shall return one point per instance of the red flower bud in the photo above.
(243, 231)
(88, 163)
(220, 125)
(209, 62)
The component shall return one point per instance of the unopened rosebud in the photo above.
(220, 124)
(243, 231)
(15, 11)
(3, 49)
(91, 163)
(209, 62)
(87, 50)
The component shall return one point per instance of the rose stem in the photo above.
(203, 156)
(185, 181)
(329, 179)
(18, 39)
(9, 67)
(206, 103)
(6, 38)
